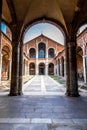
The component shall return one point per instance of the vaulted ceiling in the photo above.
(63, 11)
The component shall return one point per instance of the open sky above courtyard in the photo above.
(46, 29)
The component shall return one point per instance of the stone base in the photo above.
(13, 94)
(20, 93)
(72, 95)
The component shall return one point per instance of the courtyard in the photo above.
(43, 106)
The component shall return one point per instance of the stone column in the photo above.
(20, 69)
(37, 71)
(15, 70)
(28, 69)
(9, 69)
(46, 70)
(85, 68)
(73, 70)
(58, 67)
(15, 60)
(64, 67)
(0, 39)
(67, 69)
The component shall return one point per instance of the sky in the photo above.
(3, 27)
(46, 29)
(83, 27)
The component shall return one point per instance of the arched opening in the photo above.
(80, 63)
(5, 62)
(32, 53)
(62, 65)
(32, 69)
(41, 69)
(82, 53)
(51, 69)
(51, 53)
(41, 50)
(6, 30)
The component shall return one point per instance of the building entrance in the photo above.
(41, 69)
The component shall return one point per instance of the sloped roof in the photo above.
(44, 37)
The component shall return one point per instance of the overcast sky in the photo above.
(46, 29)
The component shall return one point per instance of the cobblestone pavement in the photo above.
(43, 110)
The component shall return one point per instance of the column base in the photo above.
(20, 93)
(72, 94)
(13, 94)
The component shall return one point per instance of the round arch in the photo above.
(5, 62)
(32, 68)
(51, 69)
(46, 20)
(41, 68)
(80, 63)
(32, 53)
(81, 23)
(51, 53)
(41, 50)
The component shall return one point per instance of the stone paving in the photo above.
(43, 85)
(43, 110)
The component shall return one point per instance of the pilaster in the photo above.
(20, 69)
(85, 68)
(37, 58)
(73, 70)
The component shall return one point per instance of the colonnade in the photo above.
(17, 61)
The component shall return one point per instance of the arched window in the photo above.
(41, 69)
(51, 53)
(32, 69)
(80, 62)
(51, 69)
(32, 53)
(5, 62)
(41, 50)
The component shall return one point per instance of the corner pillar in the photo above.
(20, 70)
(37, 71)
(15, 71)
(67, 70)
(73, 70)
(15, 59)
(85, 68)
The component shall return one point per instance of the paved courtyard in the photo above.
(43, 106)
